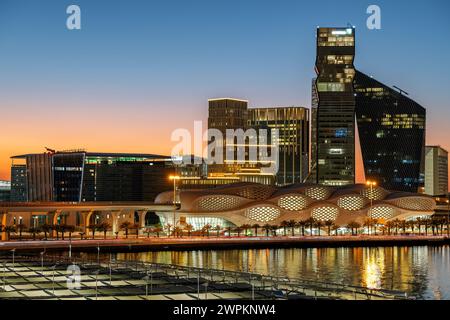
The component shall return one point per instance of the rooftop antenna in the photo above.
(401, 90)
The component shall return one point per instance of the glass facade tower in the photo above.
(335, 113)
(292, 124)
(391, 130)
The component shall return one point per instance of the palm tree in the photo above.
(56, 228)
(218, 228)
(147, 231)
(284, 224)
(245, 227)
(168, 226)
(353, 225)
(427, 224)
(103, 227)
(274, 230)
(34, 231)
(310, 222)
(319, 224)
(256, 227)
(157, 230)
(267, 227)
(301, 224)
(125, 226)
(292, 224)
(368, 224)
(21, 228)
(206, 228)
(329, 224)
(189, 228)
(46, 228)
(335, 228)
(62, 229)
(8, 230)
(229, 231)
(70, 229)
(93, 228)
(238, 230)
(375, 223)
(396, 225)
(136, 227)
(390, 225)
(419, 224)
(177, 232)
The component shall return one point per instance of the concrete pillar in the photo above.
(142, 218)
(87, 217)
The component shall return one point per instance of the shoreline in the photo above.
(198, 243)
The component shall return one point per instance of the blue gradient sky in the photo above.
(139, 69)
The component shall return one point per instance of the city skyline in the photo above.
(121, 97)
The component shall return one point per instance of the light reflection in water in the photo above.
(421, 271)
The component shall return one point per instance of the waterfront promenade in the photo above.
(198, 243)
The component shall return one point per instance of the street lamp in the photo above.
(174, 178)
(13, 256)
(448, 214)
(371, 184)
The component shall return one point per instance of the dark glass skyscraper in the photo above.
(335, 113)
(391, 130)
(391, 126)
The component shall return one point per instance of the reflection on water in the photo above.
(421, 271)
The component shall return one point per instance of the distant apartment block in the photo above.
(436, 171)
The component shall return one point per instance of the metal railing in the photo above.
(275, 286)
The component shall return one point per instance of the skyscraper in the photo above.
(391, 130)
(335, 114)
(391, 126)
(436, 171)
(223, 114)
(292, 124)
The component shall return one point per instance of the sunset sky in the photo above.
(137, 70)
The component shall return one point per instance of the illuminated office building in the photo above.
(292, 124)
(391, 130)
(436, 171)
(18, 182)
(77, 176)
(390, 125)
(335, 113)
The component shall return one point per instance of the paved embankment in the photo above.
(199, 243)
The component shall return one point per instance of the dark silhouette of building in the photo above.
(391, 130)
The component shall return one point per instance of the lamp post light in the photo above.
(42, 262)
(70, 249)
(110, 269)
(53, 279)
(174, 178)
(448, 215)
(4, 273)
(371, 184)
(96, 284)
(13, 257)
